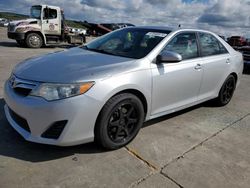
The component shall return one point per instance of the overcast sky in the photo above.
(225, 17)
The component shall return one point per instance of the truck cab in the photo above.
(50, 17)
(45, 26)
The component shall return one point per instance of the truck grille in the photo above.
(21, 87)
(11, 28)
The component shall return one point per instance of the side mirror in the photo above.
(168, 57)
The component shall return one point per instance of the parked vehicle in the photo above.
(105, 90)
(78, 31)
(237, 41)
(248, 41)
(103, 28)
(245, 50)
(4, 22)
(46, 26)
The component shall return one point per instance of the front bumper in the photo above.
(16, 36)
(80, 112)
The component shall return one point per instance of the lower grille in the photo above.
(19, 120)
(55, 130)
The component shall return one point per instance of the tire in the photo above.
(119, 121)
(226, 91)
(21, 43)
(34, 40)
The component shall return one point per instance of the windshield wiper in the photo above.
(99, 51)
(105, 52)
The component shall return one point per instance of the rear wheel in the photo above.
(34, 40)
(119, 121)
(226, 91)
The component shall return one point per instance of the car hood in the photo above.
(73, 65)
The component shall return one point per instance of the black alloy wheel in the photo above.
(227, 91)
(119, 121)
(122, 122)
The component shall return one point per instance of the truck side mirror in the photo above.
(168, 57)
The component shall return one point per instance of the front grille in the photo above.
(20, 86)
(55, 130)
(21, 122)
(11, 28)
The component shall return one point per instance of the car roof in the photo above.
(164, 28)
(155, 28)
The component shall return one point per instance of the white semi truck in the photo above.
(45, 26)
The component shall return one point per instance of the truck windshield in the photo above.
(130, 42)
(35, 12)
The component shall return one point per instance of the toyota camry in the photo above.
(105, 90)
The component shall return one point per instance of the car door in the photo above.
(216, 65)
(51, 21)
(176, 85)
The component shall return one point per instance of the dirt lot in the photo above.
(203, 146)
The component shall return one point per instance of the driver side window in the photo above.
(184, 44)
(49, 13)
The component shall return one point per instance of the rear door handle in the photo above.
(228, 61)
(198, 67)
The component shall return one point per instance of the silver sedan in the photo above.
(105, 90)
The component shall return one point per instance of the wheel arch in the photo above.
(135, 92)
(138, 94)
(37, 32)
(235, 76)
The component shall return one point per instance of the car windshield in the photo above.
(129, 42)
(35, 12)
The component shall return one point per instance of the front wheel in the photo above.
(119, 121)
(226, 91)
(34, 40)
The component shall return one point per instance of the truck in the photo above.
(46, 26)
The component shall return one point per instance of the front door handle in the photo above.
(198, 67)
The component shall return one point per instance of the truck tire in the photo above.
(34, 40)
(21, 43)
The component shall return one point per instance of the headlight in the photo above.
(52, 92)
(21, 29)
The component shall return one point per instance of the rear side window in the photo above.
(184, 44)
(210, 45)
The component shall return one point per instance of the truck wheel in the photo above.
(34, 40)
(21, 43)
